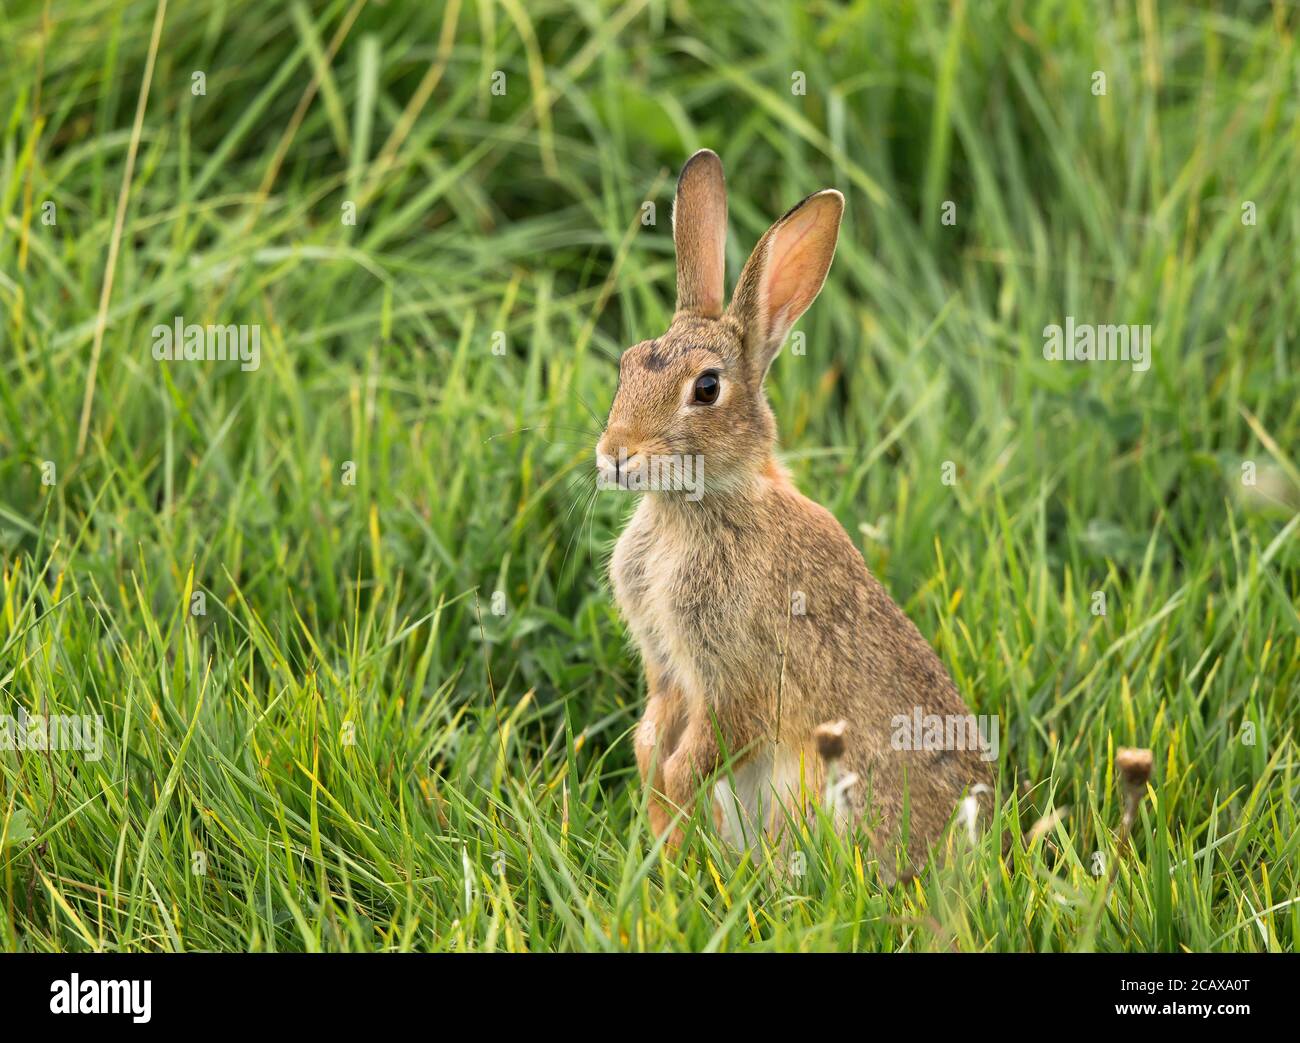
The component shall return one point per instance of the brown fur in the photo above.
(707, 585)
(700, 235)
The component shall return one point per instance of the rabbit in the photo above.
(755, 615)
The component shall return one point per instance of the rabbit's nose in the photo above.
(615, 463)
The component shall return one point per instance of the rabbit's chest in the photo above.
(683, 611)
(651, 584)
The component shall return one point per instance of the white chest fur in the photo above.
(646, 571)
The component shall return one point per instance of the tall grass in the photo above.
(401, 721)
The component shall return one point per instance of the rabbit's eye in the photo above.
(707, 387)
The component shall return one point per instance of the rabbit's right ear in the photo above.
(785, 273)
(700, 235)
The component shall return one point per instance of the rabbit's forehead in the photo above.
(688, 347)
(653, 356)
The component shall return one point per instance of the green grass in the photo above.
(489, 800)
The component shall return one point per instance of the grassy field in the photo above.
(398, 715)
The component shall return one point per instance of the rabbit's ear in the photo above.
(700, 235)
(785, 273)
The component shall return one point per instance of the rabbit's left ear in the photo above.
(700, 235)
(785, 273)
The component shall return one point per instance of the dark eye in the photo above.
(707, 387)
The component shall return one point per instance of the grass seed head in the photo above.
(830, 739)
(1134, 768)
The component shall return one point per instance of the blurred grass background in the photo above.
(350, 749)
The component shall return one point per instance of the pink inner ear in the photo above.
(798, 256)
(790, 276)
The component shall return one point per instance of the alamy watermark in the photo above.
(190, 342)
(73, 995)
(665, 472)
(39, 732)
(1084, 342)
(953, 731)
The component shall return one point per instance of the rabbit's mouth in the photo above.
(651, 472)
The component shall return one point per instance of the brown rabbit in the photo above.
(754, 613)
